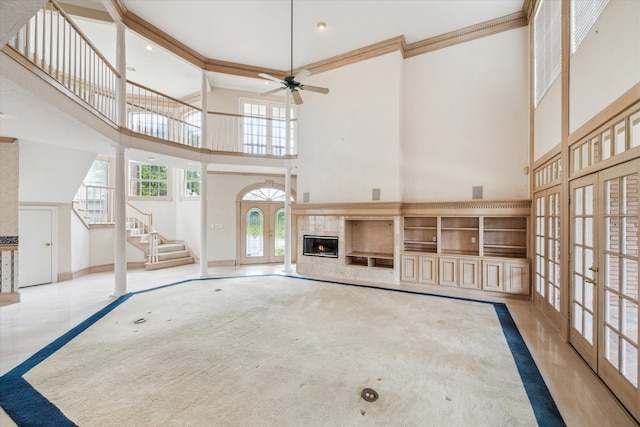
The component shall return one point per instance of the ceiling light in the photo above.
(321, 26)
(149, 47)
(151, 159)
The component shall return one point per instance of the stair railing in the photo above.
(94, 203)
(142, 222)
(56, 45)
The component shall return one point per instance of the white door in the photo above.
(36, 246)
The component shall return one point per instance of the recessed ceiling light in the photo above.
(149, 47)
(321, 26)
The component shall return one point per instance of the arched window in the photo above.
(151, 124)
(191, 129)
(266, 194)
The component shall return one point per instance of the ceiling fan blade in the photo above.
(302, 75)
(268, 77)
(315, 89)
(297, 99)
(271, 92)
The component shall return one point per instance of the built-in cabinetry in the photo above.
(369, 243)
(486, 250)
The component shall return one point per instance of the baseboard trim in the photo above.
(7, 298)
(97, 269)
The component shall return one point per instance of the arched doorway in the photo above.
(262, 222)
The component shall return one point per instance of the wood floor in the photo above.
(48, 311)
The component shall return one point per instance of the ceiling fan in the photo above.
(291, 82)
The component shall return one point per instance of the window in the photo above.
(191, 129)
(151, 124)
(191, 183)
(266, 194)
(547, 53)
(148, 180)
(264, 131)
(584, 13)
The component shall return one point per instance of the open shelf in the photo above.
(369, 243)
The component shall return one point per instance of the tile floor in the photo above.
(48, 311)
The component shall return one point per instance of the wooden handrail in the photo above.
(83, 36)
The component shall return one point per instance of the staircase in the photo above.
(160, 252)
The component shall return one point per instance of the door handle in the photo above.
(593, 268)
(592, 281)
(48, 244)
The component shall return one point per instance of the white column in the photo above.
(287, 222)
(121, 67)
(287, 123)
(120, 256)
(204, 255)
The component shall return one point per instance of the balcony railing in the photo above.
(55, 44)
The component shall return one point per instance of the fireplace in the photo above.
(324, 246)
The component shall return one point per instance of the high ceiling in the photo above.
(257, 32)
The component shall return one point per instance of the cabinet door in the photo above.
(410, 268)
(517, 277)
(493, 276)
(448, 271)
(428, 270)
(469, 273)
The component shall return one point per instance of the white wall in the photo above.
(607, 63)
(80, 247)
(547, 119)
(349, 140)
(466, 120)
(51, 173)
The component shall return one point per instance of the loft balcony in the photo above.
(53, 46)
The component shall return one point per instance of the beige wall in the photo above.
(466, 123)
(9, 177)
(607, 63)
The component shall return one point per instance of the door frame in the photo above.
(241, 209)
(596, 356)
(269, 210)
(54, 237)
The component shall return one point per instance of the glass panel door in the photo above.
(277, 239)
(618, 353)
(583, 284)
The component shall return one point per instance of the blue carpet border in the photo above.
(28, 408)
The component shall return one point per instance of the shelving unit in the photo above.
(482, 248)
(369, 243)
(505, 237)
(460, 235)
(421, 234)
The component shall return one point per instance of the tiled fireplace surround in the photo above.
(333, 224)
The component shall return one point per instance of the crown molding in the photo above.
(398, 43)
(484, 29)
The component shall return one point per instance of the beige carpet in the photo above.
(270, 350)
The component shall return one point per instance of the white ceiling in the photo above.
(257, 32)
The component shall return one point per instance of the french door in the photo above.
(262, 232)
(604, 277)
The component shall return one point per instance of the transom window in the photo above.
(266, 194)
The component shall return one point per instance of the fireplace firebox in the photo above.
(324, 246)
